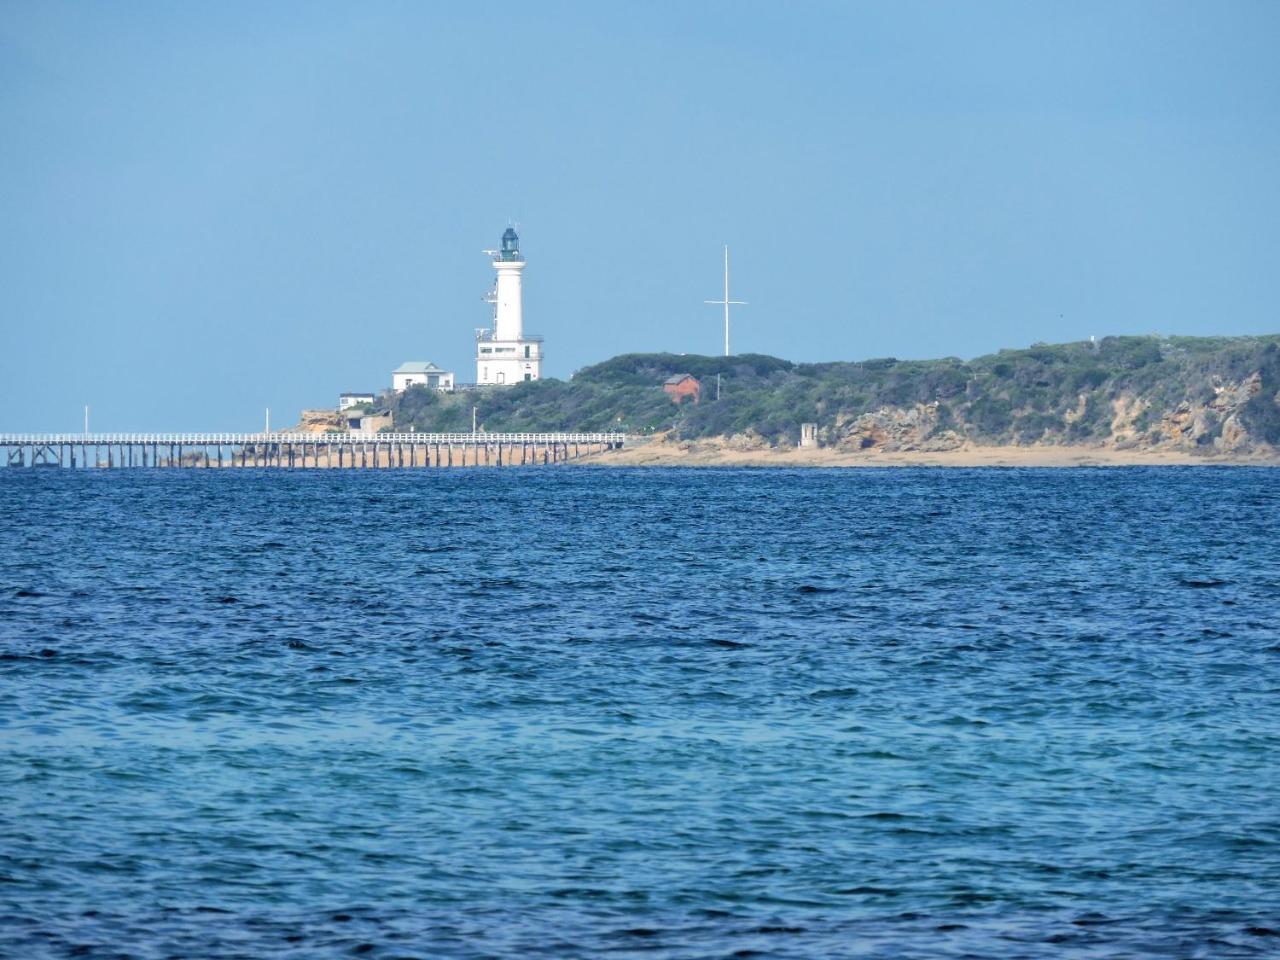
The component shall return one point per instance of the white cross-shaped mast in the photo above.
(726, 301)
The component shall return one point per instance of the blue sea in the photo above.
(579, 713)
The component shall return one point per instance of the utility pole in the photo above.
(473, 421)
(86, 421)
(726, 301)
(267, 428)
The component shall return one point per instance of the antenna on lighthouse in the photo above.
(726, 301)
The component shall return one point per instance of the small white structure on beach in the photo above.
(423, 372)
(505, 354)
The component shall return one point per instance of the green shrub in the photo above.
(1031, 427)
(1094, 423)
(991, 417)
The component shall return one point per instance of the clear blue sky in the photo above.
(211, 208)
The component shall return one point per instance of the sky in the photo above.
(210, 209)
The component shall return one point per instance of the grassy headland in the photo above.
(1199, 394)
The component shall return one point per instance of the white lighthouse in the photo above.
(505, 354)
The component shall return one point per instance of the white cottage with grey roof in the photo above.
(423, 372)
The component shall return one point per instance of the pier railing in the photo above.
(302, 450)
(236, 439)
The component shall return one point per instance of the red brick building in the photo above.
(681, 387)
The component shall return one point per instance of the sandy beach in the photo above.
(663, 453)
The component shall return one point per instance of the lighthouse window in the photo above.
(526, 352)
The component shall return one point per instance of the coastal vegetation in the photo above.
(1189, 391)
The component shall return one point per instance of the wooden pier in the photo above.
(296, 451)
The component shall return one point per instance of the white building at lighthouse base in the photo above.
(507, 361)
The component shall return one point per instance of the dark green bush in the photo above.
(1031, 427)
(991, 417)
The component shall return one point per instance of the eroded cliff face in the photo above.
(1213, 424)
(319, 421)
(893, 428)
(1216, 423)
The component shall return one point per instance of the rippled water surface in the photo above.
(586, 713)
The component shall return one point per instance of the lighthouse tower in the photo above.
(505, 354)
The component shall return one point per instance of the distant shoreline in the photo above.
(660, 453)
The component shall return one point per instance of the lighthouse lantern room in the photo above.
(505, 354)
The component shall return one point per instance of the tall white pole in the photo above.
(86, 420)
(726, 299)
(267, 428)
